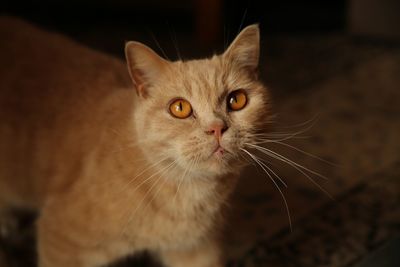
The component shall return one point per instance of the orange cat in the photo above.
(115, 168)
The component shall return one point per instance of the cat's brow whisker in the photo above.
(274, 182)
(295, 165)
(158, 45)
(174, 40)
(224, 37)
(242, 21)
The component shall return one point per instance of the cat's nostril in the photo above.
(217, 130)
(210, 132)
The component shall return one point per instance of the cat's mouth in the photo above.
(219, 151)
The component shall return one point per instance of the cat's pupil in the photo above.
(180, 106)
(233, 99)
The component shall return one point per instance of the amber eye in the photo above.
(180, 108)
(237, 100)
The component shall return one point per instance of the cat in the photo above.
(120, 158)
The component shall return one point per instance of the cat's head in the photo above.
(199, 113)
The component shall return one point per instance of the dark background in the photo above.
(209, 24)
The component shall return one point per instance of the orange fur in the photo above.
(109, 169)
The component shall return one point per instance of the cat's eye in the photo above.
(237, 100)
(180, 108)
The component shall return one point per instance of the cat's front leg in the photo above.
(207, 254)
(56, 250)
(64, 245)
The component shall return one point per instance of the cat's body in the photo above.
(77, 144)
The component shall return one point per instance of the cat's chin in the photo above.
(220, 163)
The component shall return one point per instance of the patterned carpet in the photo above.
(350, 90)
(339, 233)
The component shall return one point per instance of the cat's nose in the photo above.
(217, 129)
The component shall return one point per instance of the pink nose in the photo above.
(217, 129)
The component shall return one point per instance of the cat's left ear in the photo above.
(144, 66)
(244, 51)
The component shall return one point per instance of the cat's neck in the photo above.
(177, 190)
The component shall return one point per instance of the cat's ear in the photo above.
(244, 51)
(144, 66)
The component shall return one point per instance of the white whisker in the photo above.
(142, 172)
(305, 153)
(274, 182)
(187, 169)
(283, 158)
(164, 170)
(295, 165)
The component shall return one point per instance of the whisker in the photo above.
(129, 145)
(264, 138)
(296, 166)
(274, 173)
(158, 45)
(291, 135)
(312, 120)
(142, 172)
(305, 153)
(164, 170)
(261, 140)
(225, 37)
(147, 167)
(274, 182)
(157, 192)
(182, 179)
(263, 162)
(242, 21)
(174, 40)
(260, 148)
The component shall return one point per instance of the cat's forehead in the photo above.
(203, 78)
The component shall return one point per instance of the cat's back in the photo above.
(51, 92)
(42, 71)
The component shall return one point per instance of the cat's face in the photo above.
(199, 113)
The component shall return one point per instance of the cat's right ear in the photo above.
(144, 66)
(244, 51)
